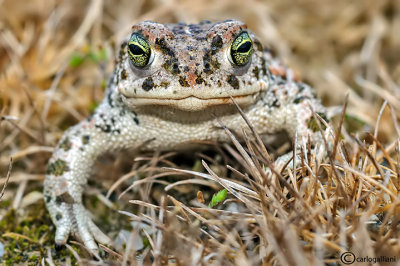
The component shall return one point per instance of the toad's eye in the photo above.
(241, 49)
(139, 51)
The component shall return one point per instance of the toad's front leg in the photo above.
(70, 167)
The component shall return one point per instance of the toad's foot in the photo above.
(75, 219)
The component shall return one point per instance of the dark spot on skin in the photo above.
(276, 103)
(172, 66)
(216, 44)
(219, 83)
(148, 84)
(186, 69)
(209, 64)
(301, 87)
(105, 128)
(47, 198)
(199, 80)
(165, 49)
(164, 84)
(122, 51)
(183, 81)
(65, 197)
(207, 68)
(175, 68)
(57, 168)
(195, 29)
(58, 216)
(110, 100)
(233, 81)
(136, 120)
(85, 139)
(298, 99)
(264, 67)
(65, 144)
(123, 74)
(256, 72)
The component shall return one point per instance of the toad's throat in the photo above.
(193, 103)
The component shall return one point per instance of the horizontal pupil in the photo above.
(136, 50)
(244, 48)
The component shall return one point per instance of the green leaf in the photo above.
(76, 60)
(217, 198)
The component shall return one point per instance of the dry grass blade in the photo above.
(7, 178)
(231, 184)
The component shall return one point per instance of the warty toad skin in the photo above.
(173, 84)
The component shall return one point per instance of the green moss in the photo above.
(35, 225)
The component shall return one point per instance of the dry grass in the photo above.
(55, 57)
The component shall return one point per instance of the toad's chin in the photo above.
(192, 103)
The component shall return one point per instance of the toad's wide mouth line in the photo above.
(193, 97)
(192, 103)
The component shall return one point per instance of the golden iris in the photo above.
(241, 49)
(139, 50)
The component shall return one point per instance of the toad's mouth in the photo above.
(192, 103)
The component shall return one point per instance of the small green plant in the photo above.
(218, 197)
